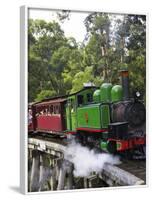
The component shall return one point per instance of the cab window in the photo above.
(89, 97)
(80, 100)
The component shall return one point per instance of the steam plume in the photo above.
(86, 161)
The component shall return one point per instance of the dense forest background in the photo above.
(58, 65)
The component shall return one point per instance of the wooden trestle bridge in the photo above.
(48, 170)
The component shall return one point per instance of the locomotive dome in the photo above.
(105, 90)
(96, 96)
(116, 93)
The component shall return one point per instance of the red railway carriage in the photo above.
(50, 115)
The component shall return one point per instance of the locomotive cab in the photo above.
(74, 102)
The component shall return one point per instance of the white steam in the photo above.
(86, 161)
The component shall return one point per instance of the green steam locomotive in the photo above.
(104, 117)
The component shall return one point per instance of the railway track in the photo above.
(128, 173)
(136, 167)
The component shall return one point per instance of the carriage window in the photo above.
(80, 100)
(51, 109)
(41, 111)
(59, 109)
(56, 109)
(89, 97)
(45, 111)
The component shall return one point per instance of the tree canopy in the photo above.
(58, 65)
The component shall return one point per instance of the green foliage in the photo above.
(58, 65)
(45, 94)
(82, 77)
(64, 15)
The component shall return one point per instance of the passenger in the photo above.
(41, 112)
(37, 114)
(30, 117)
(46, 111)
(49, 113)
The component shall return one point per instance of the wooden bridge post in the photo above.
(45, 170)
(85, 182)
(61, 178)
(65, 179)
(53, 181)
(34, 178)
(70, 178)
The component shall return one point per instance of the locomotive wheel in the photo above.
(138, 153)
(80, 138)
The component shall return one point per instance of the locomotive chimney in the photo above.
(125, 83)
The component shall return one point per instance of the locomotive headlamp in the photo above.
(137, 94)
